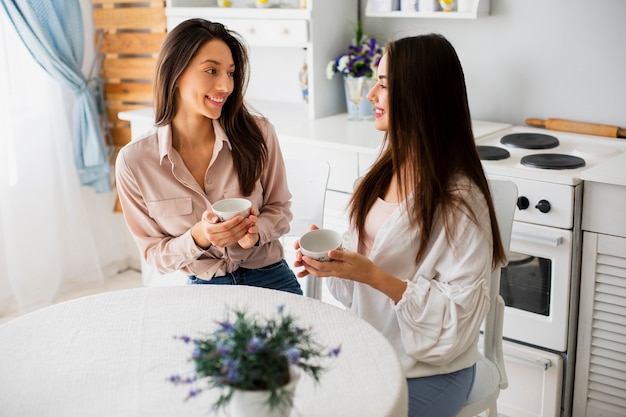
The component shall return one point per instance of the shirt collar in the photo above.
(164, 138)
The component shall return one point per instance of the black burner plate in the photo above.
(552, 161)
(492, 153)
(529, 141)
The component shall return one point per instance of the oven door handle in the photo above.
(540, 362)
(540, 240)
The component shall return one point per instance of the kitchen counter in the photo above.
(610, 172)
(292, 124)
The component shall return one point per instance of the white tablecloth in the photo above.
(110, 355)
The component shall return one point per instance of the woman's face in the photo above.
(379, 96)
(208, 80)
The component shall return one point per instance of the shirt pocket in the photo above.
(170, 208)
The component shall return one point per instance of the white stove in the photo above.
(541, 284)
(591, 149)
(549, 193)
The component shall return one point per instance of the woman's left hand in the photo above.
(252, 234)
(343, 264)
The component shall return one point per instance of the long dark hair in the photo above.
(429, 140)
(179, 47)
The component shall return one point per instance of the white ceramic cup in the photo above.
(316, 243)
(230, 207)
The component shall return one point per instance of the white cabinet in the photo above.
(281, 40)
(600, 379)
(470, 9)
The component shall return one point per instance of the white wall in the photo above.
(535, 58)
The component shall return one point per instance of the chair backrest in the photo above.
(307, 180)
(504, 195)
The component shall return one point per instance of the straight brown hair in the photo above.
(429, 141)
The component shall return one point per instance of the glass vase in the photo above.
(358, 107)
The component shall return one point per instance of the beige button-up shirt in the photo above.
(161, 201)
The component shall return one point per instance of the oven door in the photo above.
(536, 286)
(534, 382)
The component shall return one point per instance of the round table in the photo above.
(111, 354)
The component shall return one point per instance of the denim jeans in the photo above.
(277, 276)
(440, 395)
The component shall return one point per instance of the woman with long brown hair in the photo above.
(206, 147)
(424, 236)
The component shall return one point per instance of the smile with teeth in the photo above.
(216, 99)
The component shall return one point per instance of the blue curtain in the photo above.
(52, 30)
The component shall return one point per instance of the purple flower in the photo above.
(193, 392)
(254, 345)
(227, 327)
(174, 379)
(333, 353)
(224, 348)
(293, 355)
(360, 60)
(232, 370)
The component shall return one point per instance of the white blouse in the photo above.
(434, 328)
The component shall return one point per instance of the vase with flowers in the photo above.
(254, 362)
(358, 67)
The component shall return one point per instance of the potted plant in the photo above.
(358, 67)
(255, 355)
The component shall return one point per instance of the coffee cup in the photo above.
(316, 243)
(230, 207)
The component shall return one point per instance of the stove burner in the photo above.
(530, 141)
(552, 161)
(492, 153)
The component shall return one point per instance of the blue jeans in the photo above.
(440, 395)
(277, 276)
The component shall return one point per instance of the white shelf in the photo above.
(427, 15)
(480, 8)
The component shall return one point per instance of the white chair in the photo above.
(307, 179)
(490, 372)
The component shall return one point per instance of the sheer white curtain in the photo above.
(46, 241)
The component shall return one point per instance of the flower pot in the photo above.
(256, 403)
(358, 107)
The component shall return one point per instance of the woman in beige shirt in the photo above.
(206, 146)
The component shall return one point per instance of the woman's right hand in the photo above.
(210, 231)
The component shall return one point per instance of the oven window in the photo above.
(525, 283)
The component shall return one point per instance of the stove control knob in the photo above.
(543, 206)
(522, 203)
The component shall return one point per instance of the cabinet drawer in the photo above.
(256, 32)
(271, 32)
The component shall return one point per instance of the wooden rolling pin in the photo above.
(579, 127)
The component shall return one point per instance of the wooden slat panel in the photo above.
(114, 109)
(121, 135)
(128, 68)
(111, 20)
(131, 43)
(118, 207)
(128, 92)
